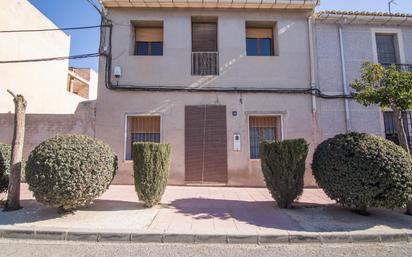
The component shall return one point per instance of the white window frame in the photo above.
(399, 37)
(259, 114)
(127, 115)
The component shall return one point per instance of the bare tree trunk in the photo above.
(13, 196)
(400, 129)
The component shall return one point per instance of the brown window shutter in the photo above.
(259, 32)
(149, 34)
(204, 37)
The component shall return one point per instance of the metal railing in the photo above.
(205, 63)
(401, 67)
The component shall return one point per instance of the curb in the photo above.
(288, 237)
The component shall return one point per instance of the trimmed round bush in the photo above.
(362, 170)
(69, 171)
(283, 167)
(151, 162)
(5, 155)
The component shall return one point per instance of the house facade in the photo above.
(214, 79)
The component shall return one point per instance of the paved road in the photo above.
(58, 249)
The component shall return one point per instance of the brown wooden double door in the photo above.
(205, 144)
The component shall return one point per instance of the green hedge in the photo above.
(361, 170)
(283, 166)
(69, 171)
(151, 162)
(5, 155)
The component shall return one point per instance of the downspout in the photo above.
(345, 83)
(312, 65)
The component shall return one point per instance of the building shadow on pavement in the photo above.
(34, 211)
(303, 217)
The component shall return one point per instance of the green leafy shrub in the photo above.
(5, 155)
(69, 171)
(361, 170)
(151, 162)
(283, 166)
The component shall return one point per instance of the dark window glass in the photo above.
(251, 46)
(142, 48)
(265, 46)
(156, 48)
(385, 45)
(149, 48)
(258, 46)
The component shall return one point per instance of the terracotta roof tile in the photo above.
(384, 14)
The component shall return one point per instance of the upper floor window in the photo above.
(260, 39)
(386, 47)
(149, 39)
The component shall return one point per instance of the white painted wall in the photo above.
(43, 84)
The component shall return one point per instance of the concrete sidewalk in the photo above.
(205, 214)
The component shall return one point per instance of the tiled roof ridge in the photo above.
(366, 13)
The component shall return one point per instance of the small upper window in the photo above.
(149, 41)
(259, 39)
(386, 47)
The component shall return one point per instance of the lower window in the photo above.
(390, 129)
(141, 129)
(262, 128)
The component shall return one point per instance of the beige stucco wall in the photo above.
(288, 70)
(43, 84)
(114, 106)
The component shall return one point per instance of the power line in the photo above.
(71, 57)
(95, 7)
(63, 29)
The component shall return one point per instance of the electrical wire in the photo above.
(71, 57)
(96, 7)
(43, 30)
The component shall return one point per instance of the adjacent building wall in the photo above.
(358, 48)
(43, 84)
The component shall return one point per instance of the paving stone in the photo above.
(82, 236)
(365, 238)
(178, 238)
(394, 237)
(304, 238)
(114, 237)
(19, 233)
(333, 238)
(211, 239)
(242, 239)
(50, 235)
(146, 238)
(274, 239)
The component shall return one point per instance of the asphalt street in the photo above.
(23, 248)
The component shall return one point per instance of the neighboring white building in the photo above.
(43, 84)
(58, 98)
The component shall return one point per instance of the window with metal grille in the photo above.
(141, 129)
(390, 129)
(149, 40)
(262, 128)
(385, 45)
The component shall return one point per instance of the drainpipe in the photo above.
(345, 83)
(312, 64)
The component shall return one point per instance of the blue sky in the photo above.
(73, 13)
